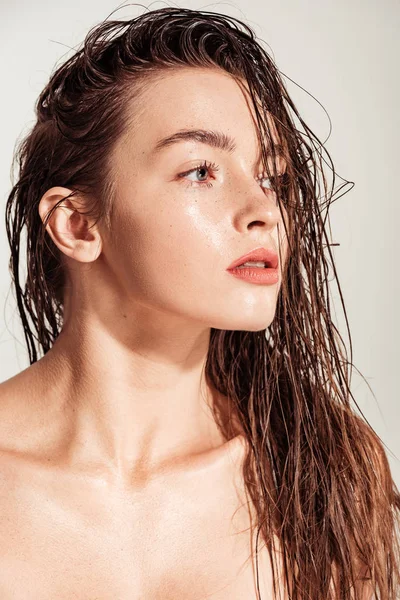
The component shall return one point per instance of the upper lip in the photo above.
(266, 255)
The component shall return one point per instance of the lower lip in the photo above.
(256, 275)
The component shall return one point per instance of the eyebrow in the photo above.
(215, 139)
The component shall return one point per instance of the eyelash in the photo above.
(214, 168)
(205, 165)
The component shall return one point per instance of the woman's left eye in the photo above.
(205, 166)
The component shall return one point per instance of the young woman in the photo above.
(187, 433)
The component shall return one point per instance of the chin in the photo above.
(243, 324)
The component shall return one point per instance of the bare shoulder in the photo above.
(18, 389)
(24, 420)
(13, 393)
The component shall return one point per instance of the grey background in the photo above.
(343, 53)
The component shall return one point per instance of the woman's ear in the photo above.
(67, 227)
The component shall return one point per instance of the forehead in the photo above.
(203, 99)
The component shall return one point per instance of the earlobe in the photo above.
(68, 228)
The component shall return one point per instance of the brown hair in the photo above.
(330, 497)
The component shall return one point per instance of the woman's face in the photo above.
(174, 235)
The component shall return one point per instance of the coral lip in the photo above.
(256, 275)
(259, 254)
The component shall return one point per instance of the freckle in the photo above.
(124, 316)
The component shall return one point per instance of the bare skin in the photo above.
(70, 531)
(116, 480)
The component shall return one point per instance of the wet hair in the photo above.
(316, 472)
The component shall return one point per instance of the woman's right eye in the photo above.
(283, 180)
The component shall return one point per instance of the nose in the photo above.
(259, 206)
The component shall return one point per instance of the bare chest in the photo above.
(173, 542)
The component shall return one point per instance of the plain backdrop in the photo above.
(341, 55)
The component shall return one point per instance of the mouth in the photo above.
(256, 275)
(259, 258)
(255, 264)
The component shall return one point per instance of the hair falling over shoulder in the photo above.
(327, 492)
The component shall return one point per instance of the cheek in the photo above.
(164, 240)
